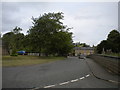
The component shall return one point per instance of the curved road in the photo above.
(69, 73)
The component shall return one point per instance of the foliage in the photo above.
(78, 44)
(48, 35)
(13, 40)
(17, 30)
(112, 43)
(0, 36)
(8, 41)
(14, 55)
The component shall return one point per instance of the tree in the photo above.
(114, 39)
(113, 36)
(17, 30)
(0, 35)
(61, 43)
(48, 35)
(19, 38)
(46, 32)
(112, 43)
(104, 45)
(85, 45)
(8, 41)
(78, 44)
(27, 44)
(13, 40)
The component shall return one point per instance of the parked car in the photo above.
(81, 56)
(21, 52)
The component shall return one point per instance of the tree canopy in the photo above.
(48, 35)
(17, 30)
(111, 44)
(13, 40)
(78, 44)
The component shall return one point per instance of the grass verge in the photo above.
(113, 54)
(10, 61)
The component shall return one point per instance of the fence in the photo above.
(33, 54)
(109, 62)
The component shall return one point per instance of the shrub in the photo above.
(14, 55)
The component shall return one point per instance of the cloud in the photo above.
(91, 21)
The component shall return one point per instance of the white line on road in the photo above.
(49, 86)
(74, 80)
(35, 88)
(64, 83)
(82, 78)
(87, 75)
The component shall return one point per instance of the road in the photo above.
(69, 73)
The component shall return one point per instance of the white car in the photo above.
(81, 56)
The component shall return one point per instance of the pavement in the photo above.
(69, 73)
(102, 73)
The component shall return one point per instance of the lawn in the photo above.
(113, 54)
(22, 60)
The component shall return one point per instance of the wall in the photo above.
(109, 62)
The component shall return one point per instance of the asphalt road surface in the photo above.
(69, 73)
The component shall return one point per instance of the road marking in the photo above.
(49, 86)
(87, 75)
(35, 88)
(82, 78)
(64, 83)
(113, 81)
(74, 80)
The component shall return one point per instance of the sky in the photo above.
(91, 21)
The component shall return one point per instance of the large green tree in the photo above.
(8, 41)
(49, 35)
(112, 43)
(13, 40)
(61, 43)
(114, 40)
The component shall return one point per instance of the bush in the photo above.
(14, 55)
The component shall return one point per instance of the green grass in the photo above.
(27, 60)
(113, 54)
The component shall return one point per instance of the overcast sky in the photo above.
(91, 21)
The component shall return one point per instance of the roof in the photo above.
(83, 48)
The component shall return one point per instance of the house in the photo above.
(83, 50)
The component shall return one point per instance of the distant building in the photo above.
(83, 50)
